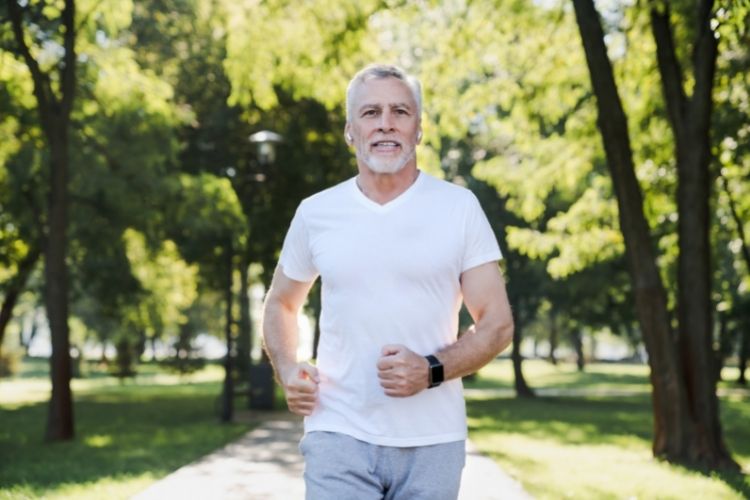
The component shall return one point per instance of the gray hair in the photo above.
(374, 71)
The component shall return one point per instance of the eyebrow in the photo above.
(378, 106)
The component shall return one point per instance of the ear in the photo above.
(348, 135)
(419, 136)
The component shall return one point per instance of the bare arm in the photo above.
(281, 338)
(486, 299)
(403, 372)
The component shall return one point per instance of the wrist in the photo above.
(435, 371)
(286, 372)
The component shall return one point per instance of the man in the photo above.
(396, 251)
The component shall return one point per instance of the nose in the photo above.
(386, 121)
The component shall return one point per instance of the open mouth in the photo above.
(385, 146)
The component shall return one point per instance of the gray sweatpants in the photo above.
(340, 467)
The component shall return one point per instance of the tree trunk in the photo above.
(60, 416)
(152, 341)
(140, 344)
(668, 393)
(14, 289)
(244, 335)
(26, 342)
(553, 334)
(575, 337)
(690, 120)
(744, 353)
(522, 388)
(725, 345)
(54, 118)
(228, 395)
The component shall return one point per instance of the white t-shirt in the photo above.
(390, 275)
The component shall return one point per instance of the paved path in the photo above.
(266, 464)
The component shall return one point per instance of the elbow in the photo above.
(504, 335)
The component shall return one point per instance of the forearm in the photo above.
(477, 347)
(280, 333)
(486, 299)
(280, 336)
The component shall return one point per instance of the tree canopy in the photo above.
(168, 203)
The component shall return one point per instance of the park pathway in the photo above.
(266, 464)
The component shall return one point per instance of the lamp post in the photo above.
(261, 374)
(266, 142)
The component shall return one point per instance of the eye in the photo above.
(369, 112)
(402, 111)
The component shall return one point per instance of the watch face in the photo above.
(436, 373)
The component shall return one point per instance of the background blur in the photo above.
(141, 215)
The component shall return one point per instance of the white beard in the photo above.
(381, 165)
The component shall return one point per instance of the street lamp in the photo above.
(266, 142)
(261, 374)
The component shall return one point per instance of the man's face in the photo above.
(384, 125)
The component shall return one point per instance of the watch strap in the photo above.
(436, 374)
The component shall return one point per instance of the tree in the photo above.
(54, 105)
(208, 226)
(687, 427)
(732, 155)
(169, 286)
(20, 236)
(465, 102)
(126, 143)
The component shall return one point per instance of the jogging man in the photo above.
(397, 251)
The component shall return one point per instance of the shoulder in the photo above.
(447, 191)
(332, 196)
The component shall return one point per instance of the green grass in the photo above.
(543, 374)
(570, 445)
(127, 434)
(613, 377)
(595, 446)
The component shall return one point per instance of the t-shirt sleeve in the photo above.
(296, 259)
(480, 244)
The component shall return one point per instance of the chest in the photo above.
(402, 246)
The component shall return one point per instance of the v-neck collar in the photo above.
(386, 207)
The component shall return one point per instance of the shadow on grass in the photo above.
(605, 420)
(564, 419)
(121, 431)
(735, 415)
(738, 481)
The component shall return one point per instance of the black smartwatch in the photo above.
(435, 373)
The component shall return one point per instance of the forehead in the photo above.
(383, 92)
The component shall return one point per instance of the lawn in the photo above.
(127, 434)
(589, 436)
(573, 445)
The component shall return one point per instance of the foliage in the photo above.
(165, 183)
(323, 41)
(170, 285)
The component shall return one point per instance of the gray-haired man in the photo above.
(397, 251)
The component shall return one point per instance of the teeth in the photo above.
(386, 144)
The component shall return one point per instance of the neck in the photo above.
(382, 188)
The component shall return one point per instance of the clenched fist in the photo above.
(401, 371)
(301, 388)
